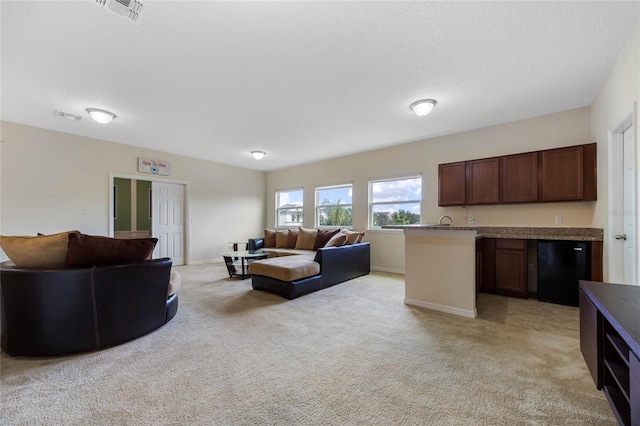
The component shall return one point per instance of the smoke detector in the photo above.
(129, 9)
(68, 115)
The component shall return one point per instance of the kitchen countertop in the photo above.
(515, 232)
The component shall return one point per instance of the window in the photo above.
(395, 201)
(289, 208)
(333, 205)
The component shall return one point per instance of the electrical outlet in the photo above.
(558, 220)
(397, 255)
(530, 267)
(470, 220)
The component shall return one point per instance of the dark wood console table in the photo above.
(610, 344)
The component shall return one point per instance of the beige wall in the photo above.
(53, 181)
(615, 100)
(550, 131)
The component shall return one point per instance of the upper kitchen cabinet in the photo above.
(483, 181)
(569, 174)
(519, 179)
(452, 184)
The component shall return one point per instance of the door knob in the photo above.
(621, 237)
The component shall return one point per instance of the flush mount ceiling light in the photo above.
(423, 107)
(258, 155)
(101, 116)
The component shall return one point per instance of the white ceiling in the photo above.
(303, 81)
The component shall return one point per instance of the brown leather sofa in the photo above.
(63, 311)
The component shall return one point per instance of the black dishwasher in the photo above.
(561, 264)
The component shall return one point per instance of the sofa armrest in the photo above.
(338, 264)
(255, 243)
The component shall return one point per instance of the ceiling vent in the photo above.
(130, 9)
(68, 115)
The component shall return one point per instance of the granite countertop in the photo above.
(516, 232)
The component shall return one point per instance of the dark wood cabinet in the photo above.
(569, 174)
(478, 265)
(511, 268)
(452, 187)
(609, 336)
(504, 267)
(483, 181)
(519, 178)
(562, 174)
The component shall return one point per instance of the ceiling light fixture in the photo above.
(100, 115)
(258, 155)
(423, 107)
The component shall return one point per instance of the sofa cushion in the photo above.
(91, 250)
(324, 235)
(339, 239)
(275, 252)
(43, 251)
(281, 238)
(287, 268)
(292, 238)
(352, 236)
(175, 281)
(269, 238)
(306, 238)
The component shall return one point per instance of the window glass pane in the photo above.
(289, 208)
(396, 190)
(333, 196)
(334, 216)
(395, 214)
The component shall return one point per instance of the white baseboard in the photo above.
(389, 270)
(442, 308)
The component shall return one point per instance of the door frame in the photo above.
(615, 176)
(187, 207)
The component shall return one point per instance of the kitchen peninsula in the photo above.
(445, 265)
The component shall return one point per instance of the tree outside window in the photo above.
(333, 206)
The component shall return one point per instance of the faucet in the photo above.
(446, 224)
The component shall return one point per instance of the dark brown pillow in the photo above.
(92, 250)
(292, 238)
(324, 235)
(269, 238)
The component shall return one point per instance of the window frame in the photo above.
(278, 208)
(318, 206)
(395, 202)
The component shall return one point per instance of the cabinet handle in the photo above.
(621, 237)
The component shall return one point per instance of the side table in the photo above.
(238, 261)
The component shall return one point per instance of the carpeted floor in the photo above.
(352, 354)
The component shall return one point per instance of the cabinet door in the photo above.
(483, 181)
(519, 178)
(569, 174)
(451, 184)
(511, 268)
(590, 334)
(488, 283)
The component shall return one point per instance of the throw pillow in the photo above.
(281, 238)
(306, 238)
(43, 251)
(352, 236)
(92, 250)
(269, 238)
(339, 239)
(292, 238)
(324, 235)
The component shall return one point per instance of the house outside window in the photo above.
(395, 201)
(333, 206)
(289, 208)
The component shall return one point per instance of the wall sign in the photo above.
(156, 167)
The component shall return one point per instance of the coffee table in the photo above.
(238, 261)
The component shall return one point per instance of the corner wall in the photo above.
(53, 181)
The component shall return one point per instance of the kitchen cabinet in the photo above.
(452, 187)
(483, 181)
(519, 178)
(569, 174)
(504, 267)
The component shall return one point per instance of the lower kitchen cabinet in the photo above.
(504, 267)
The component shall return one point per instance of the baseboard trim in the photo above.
(389, 270)
(442, 308)
(202, 262)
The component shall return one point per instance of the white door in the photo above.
(629, 195)
(167, 223)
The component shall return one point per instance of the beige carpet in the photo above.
(350, 354)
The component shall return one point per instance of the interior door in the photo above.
(629, 196)
(168, 221)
